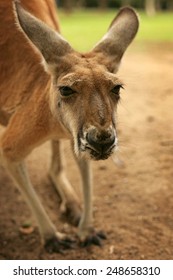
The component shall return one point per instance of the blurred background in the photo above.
(83, 22)
(149, 5)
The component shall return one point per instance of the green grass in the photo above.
(156, 29)
(84, 28)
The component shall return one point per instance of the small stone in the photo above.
(112, 250)
(26, 230)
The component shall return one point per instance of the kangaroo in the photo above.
(49, 91)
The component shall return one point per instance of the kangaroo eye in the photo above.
(66, 91)
(116, 89)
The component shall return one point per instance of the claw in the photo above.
(55, 245)
(94, 238)
(87, 242)
(102, 235)
(97, 241)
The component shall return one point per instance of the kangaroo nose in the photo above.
(101, 143)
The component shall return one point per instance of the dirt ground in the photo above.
(133, 200)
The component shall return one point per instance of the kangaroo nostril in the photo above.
(105, 137)
(101, 144)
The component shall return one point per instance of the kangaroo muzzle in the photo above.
(100, 144)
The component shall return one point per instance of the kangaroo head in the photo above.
(85, 90)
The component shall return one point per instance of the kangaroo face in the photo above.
(85, 102)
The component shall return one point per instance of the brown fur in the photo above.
(36, 63)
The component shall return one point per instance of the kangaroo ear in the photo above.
(49, 42)
(120, 34)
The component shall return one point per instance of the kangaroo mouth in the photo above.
(88, 151)
(100, 156)
(95, 155)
